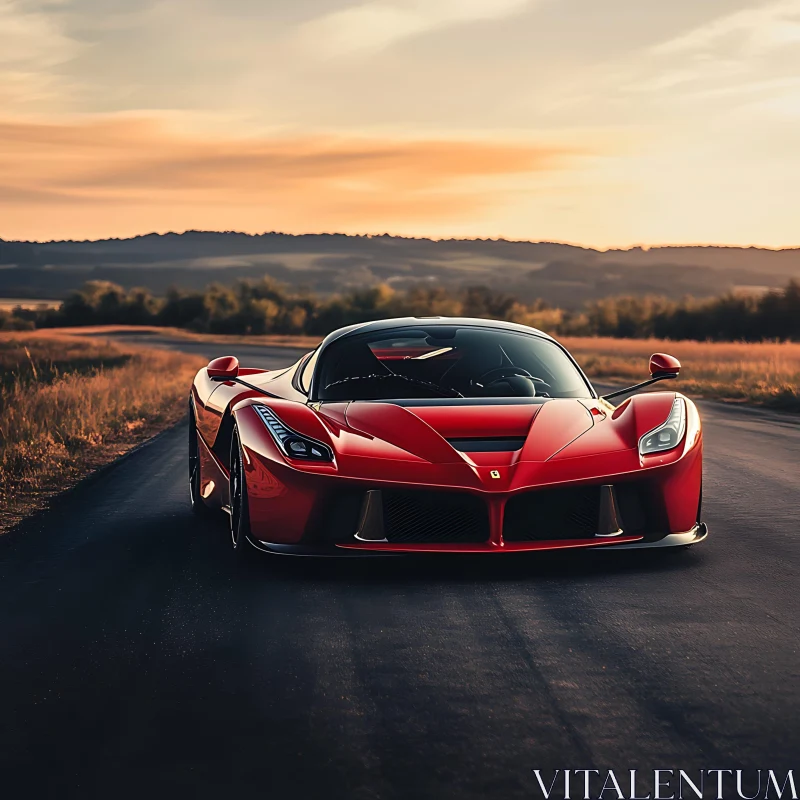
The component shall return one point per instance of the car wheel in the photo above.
(240, 512)
(198, 504)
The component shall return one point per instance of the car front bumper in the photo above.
(343, 549)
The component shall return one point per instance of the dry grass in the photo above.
(765, 374)
(68, 406)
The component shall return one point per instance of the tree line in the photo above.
(262, 307)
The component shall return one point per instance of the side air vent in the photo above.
(505, 445)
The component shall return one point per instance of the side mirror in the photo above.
(224, 367)
(664, 366)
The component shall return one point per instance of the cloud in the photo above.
(373, 26)
(751, 31)
(32, 48)
(725, 60)
(32, 40)
(104, 165)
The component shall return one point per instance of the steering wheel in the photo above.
(497, 374)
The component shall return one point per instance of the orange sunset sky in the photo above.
(601, 123)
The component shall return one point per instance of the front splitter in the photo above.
(365, 549)
(488, 547)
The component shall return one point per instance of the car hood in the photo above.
(483, 434)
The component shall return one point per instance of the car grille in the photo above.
(552, 514)
(421, 516)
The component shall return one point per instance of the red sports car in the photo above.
(440, 435)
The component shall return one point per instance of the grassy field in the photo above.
(766, 374)
(69, 405)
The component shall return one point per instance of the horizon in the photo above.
(631, 123)
(409, 237)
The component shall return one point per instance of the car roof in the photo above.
(410, 322)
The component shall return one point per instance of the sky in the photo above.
(607, 124)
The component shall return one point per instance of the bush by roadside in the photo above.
(68, 406)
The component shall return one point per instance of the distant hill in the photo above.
(564, 275)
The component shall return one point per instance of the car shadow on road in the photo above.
(259, 566)
(473, 568)
(202, 545)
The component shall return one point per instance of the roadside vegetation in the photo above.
(266, 307)
(70, 405)
(758, 373)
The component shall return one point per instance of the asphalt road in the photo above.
(138, 659)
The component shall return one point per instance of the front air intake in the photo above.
(425, 516)
(550, 514)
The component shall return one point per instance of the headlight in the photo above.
(667, 435)
(291, 443)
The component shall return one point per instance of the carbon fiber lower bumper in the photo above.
(697, 534)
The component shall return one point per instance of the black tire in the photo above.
(700, 502)
(199, 506)
(240, 511)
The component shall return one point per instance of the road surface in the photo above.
(138, 660)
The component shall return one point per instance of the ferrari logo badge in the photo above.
(495, 473)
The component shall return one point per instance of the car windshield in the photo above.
(446, 361)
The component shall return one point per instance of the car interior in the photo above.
(446, 361)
